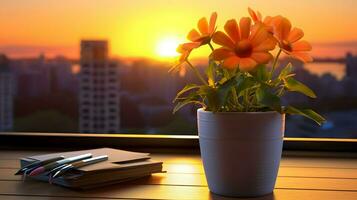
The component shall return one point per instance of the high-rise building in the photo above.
(6, 95)
(350, 80)
(99, 95)
(351, 66)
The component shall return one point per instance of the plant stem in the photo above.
(235, 98)
(274, 63)
(210, 46)
(281, 92)
(246, 100)
(214, 75)
(199, 76)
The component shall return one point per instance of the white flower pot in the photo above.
(241, 151)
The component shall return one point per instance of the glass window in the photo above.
(122, 85)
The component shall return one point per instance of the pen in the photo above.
(52, 165)
(78, 164)
(35, 164)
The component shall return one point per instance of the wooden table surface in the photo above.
(299, 178)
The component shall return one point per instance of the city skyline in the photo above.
(138, 30)
(331, 50)
(46, 90)
(320, 66)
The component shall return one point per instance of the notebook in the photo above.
(121, 166)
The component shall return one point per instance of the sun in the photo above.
(167, 47)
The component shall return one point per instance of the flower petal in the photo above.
(183, 56)
(180, 49)
(295, 35)
(203, 26)
(253, 15)
(222, 39)
(303, 56)
(193, 35)
(259, 15)
(231, 62)
(259, 34)
(221, 54)
(247, 64)
(261, 57)
(187, 47)
(301, 46)
(256, 16)
(231, 28)
(212, 23)
(268, 22)
(282, 27)
(266, 45)
(244, 25)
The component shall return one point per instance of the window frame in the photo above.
(153, 142)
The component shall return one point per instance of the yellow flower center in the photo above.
(244, 48)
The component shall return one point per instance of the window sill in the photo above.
(145, 141)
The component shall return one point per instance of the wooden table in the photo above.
(299, 178)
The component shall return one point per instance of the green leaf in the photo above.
(181, 104)
(193, 97)
(226, 73)
(224, 89)
(262, 73)
(274, 83)
(286, 71)
(210, 72)
(244, 83)
(187, 88)
(293, 85)
(306, 113)
(266, 98)
(223, 79)
(209, 95)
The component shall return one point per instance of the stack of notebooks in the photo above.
(121, 166)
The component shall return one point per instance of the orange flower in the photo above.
(185, 50)
(206, 30)
(258, 19)
(244, 46)
(289, 39)
(197, 38)
(256, 16)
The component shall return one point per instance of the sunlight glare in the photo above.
(167, 47)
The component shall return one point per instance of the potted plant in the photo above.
(241, 122)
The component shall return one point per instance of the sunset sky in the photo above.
(139, 28)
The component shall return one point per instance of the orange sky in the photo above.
(136, 27)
